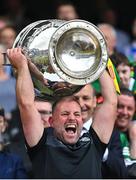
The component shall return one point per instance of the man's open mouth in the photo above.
(70, 128)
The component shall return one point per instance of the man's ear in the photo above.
(51, 121)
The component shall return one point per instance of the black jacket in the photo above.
(114, 166)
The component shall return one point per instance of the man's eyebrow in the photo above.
(45, 111)
(79, 112)
(65, 111)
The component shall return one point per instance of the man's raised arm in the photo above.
(31, 119)
(105, 115)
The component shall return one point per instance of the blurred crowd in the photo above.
(121, 47)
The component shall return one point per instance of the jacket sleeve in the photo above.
(114, 166)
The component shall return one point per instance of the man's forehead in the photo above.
(42, 103)
(123, 66)
(124, 96)
(87, 89)
(126, 99)
(69, 105)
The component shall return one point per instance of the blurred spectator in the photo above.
(15, 12)
(4, 137)
(14, 127)
(117, 57)
(11, 164)
(66, 10)
(7, 38)
(17, 145)
(45, 109)
(126, 109)
(7, 90)
(124, 70)
(110, 36)
(130, 51)
(4, 21)
(125, 114)
(109, 16)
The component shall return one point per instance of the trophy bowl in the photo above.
(68, 54)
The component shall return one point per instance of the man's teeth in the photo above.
(71, 126)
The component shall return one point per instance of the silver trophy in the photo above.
(69, 54)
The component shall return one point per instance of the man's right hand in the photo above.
(17, 58)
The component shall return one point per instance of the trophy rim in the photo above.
(78, 23)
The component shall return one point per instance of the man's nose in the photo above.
(71, 116)
(125, 111)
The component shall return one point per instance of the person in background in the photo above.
(7, 90)
(15, 11)
(17, 141)
(130, 50)
(4, 21)
(124, 70)
(44, 107)
(11, 165)
(66, 11)
(109, 16)
(7, 38)
(4, 138)
(87, 99)
(110, 35)
(126, 125)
